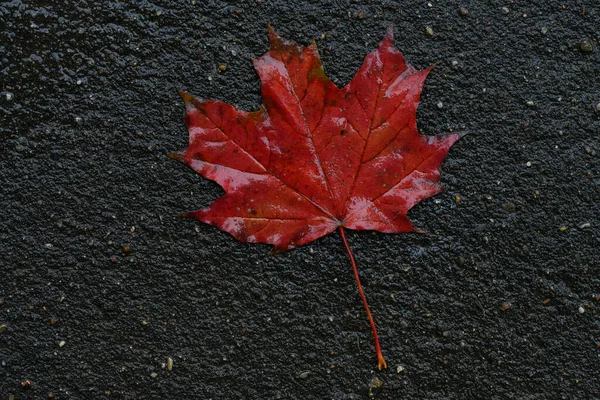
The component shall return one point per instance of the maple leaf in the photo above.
(316, 158)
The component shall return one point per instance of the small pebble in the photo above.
(597, 106)
(78, 120)
(375, 382)
(463, 11)
(2, 328)
(440, 104)
(304, 374)
(9, 96)
(457, 198)
(528, 163)
(506, 306)
(562, 228)
(530, 103)
(399, 369)
(581, 310)
(153, 375)
(222, 68)
(429, 31)
(61, 343)
(505, 10)
(586, 46)
(544, 30)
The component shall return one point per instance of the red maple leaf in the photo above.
(316, 158)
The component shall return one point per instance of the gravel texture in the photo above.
(101, 283)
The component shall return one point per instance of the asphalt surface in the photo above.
(101, 283)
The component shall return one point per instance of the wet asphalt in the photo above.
(102, 283)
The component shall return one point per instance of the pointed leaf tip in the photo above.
(455, 137)
(177, 156)
(275, 251)
(389, 35)
(187, 98)
(274, 38)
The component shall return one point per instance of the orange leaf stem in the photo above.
(380, 360)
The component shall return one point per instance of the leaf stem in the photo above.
(380, 360)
